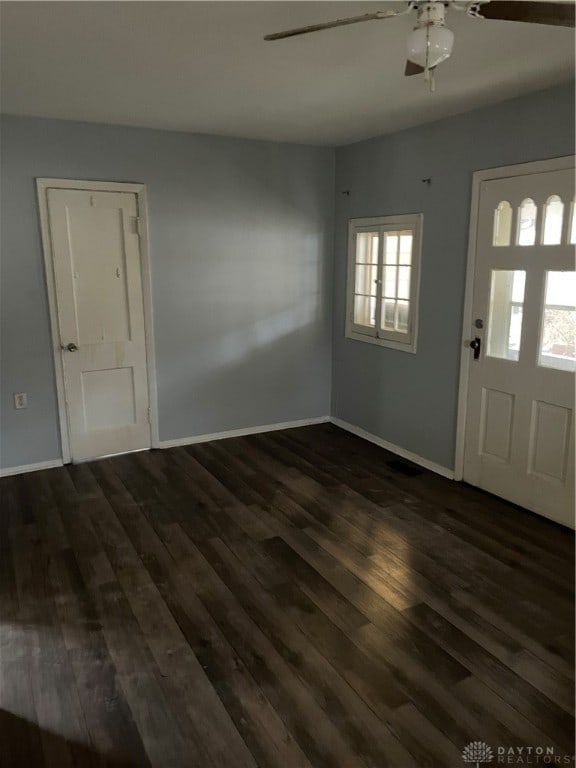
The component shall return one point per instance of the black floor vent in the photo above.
(405, 467)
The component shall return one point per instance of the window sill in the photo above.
(400, 346)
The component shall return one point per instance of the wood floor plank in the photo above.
(188, 693)
(261, 728)
(138, 674)
(479, 508)
(296, 599)
(337, 694)
(471, 564)
(482, 562)
(152, 539)
(56, 700)
(106, 711)
(315, 733)
(20, 737)
(556, 723)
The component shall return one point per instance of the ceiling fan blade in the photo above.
(413, 69)
(331, 24)
(558, 14)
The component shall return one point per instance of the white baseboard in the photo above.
(413, 457)
(31, 467)
(405, 454)
(242, 432)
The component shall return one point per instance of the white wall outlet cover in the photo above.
(20, 400)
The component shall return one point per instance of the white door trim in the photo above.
(42, 186)
(522, 169)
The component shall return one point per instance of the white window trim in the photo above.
(383, 223)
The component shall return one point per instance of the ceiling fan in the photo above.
(430, 42)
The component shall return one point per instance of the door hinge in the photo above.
(148, 414)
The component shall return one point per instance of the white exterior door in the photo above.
(98, 284)
(519, 441)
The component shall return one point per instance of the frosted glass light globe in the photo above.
(436, 41)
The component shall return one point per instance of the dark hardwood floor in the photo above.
(295, 599)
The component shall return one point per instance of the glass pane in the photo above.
(406, 248)
(374, 250)
(553, 214)
(366, 275)
(505, 313)
(390, 281)
(404, 282)
(527, 223)
(391, 249)
(518, 284)
(402, 316)
(560, 289)
(573, 226)
(502, 224)
(367, 248)
(365, 310)
(558, 339)
(388, 314)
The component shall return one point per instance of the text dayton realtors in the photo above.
(531, 756)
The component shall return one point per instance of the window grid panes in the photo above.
(365, 278)
(552, 228)
(396, 279)
(383, 263)
(502, 224)
(505, 313)
(558, 334)
(553, 215)
(527, 223)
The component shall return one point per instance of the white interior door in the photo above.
(97, 275)
(519, 441)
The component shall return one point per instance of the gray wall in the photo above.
(241, 248)
(411, 400)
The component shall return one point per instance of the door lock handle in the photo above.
(70, 347)
(476, 344)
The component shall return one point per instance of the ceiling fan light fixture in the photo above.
(430, 45)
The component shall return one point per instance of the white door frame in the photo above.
(43, 185)
(522, 169)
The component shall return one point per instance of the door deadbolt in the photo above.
(476, 344)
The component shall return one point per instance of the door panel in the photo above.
(519, 439)
(99, 271)
(549, 440)
(496, 424)
(96, 258)
(109, 398)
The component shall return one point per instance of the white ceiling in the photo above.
(203, 67)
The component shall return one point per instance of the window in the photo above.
(553, 214)
(502, 224)
(383, 272)
(526, 234)
(558, 333)
(505, 315)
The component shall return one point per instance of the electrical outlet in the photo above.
(20, 400)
